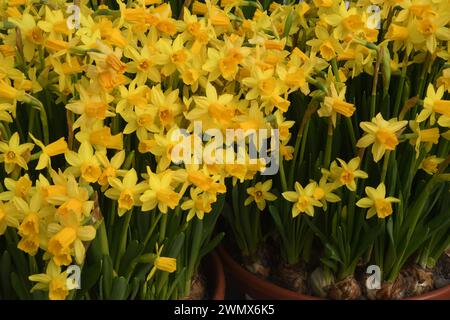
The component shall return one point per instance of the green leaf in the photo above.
(196, 246)
(386, 67)
(107, 276)
(331, 253)
(5, 271)
(20, 262)
(288, 24)
(367, 240)
(334, 224)
(210, 220)
(132, 251)
(390, 230)
(329, 263)
(142, 271)
(135, 286)
(420, 235)
(317, 232)
(43, 295)
(90, 276)
(176, 246)
(19, 287)
(179, 277)
(119, 289)
(341, 244)
(276, 218)
(212, 244)
(173, 252)
(236, 227)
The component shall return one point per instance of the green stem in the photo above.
(294, 158)
(35, 156)
(316, 83)
(31, 122)
(44, 121)
(5, 132)
(422, 79)
(162, 229)
(328, 147)
(150, 232)
(112, 216)
(123, 239)
(103, 239)
(33, 265)
(351, 215)
(302, 131)
(247, 224)
(43, 115)
(385, 166)
(235, 219)
(303, 147)
(283, 175)
(351, 132)
(335, 69)
(48, 103)
(256, 230)
(144, 244)
(398, 98)
(415, 211)
(19, 128)
(373, 97)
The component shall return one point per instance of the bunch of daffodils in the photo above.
(96, 105)
(113, 158)
(363, 177)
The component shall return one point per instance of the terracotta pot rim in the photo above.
(276, 292)
(215, 276)
(437, 294)
(272, 290)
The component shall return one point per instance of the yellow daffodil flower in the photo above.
(303, 199)
(346, 173)
(90, 107)
(382, 134)
(160, 192)
(54, 281)
(53, 149)
(32, 225)
(377, 202)
(335, 104)
(162, 263)
(110, 168)
(259, 193)
(423, 135)
(13, 153)
(433, 104)
(430, 164)
(198, 204)
(324, 192)
(67, 240)
(213, 110)
(84, 163)
(9, 217)
(126, 192)
(20, 188)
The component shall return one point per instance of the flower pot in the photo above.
(255, 287)
(213, 269)
(258, 288)
(438, 294)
